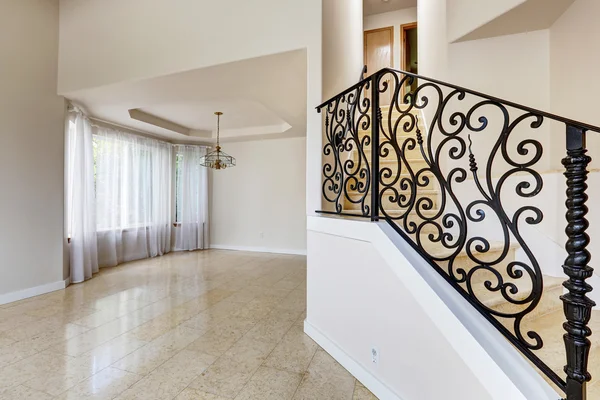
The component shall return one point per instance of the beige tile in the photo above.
(203, 322)
(244, 295)
(144, 360)
(33, 328)
(287, 284)
(184, 367)
(106, 384)
(24, 393)
(147, 358)
(50, 337)
(6, 340)
(95, 337)
(301, 319)
(193, 394)
(294, 352)
(9, 322)
(44, 362)
(152, 389)
(271, 329)
(169, 379)
(325, 379)
(226, 377)
(295, 301)
(270, 384)
(362, 393)
(250, 351)
(11, 377)
(15, 352)
(176, 339)
(110, 352)
(154, 328)
(253, 310)
(159, 322)
(64, 377)
(216, 341)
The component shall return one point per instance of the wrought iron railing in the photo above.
(457, 173)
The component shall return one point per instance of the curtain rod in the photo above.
(145, 134)
(102, 121)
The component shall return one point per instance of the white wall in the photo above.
(264, 194)
(514, 67)
(31, 155)
(149, 38)
(425, 333)
(395, 19)
(465, 16)
(574, 60)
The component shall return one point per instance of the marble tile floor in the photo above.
(208, 325)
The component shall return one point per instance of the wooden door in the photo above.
(408, 51)
(379, 53)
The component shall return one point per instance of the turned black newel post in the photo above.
(577, 306)
(375, 118)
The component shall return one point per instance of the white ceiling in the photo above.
(381, 6)
(262, 97)
(199, 115)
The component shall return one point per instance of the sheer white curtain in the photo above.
(81, 206)
(133, 196)
(191, 232)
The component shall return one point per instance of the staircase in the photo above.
(417, 180)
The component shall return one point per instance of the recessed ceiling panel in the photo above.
(199, 116)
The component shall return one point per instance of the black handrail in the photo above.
(422, 201)
(509, 103)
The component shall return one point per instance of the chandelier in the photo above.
(218, 159)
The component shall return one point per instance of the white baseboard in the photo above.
(34, 291)
(376, 387)
(258, 249)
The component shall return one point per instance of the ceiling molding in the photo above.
(180, 107)
(142, 116)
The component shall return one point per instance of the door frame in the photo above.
(391, 29)
(403, 58)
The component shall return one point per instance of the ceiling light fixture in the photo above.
(218, 159)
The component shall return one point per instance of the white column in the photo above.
(342, 45)
(433, 43)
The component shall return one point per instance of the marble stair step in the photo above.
(549, 327)
(462, 261)
(549, 302)
(387, 204)
(415, 161)
(409, 154)
(399, 129)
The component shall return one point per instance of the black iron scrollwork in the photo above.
(439, 222)
(346, 167)
(447, 161)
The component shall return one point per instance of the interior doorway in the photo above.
(409, 51)
(379, 53)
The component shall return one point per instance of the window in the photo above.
(132, 180)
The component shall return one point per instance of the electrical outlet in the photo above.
(262, 235)
(375, 355)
